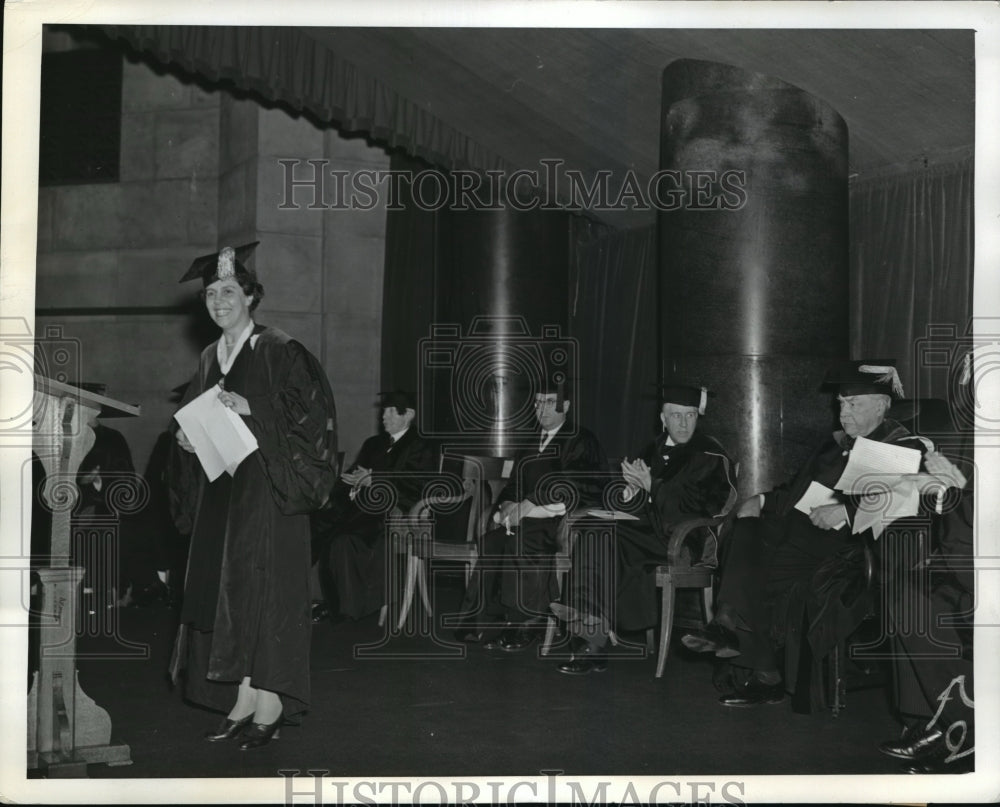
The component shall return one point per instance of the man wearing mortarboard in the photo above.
(789, 576)
(349, 543)
(245, 626)
(682, 474)
(562, 455)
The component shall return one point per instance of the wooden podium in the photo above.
(67, 730)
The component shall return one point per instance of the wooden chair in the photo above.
(678, 573)
(478, 482)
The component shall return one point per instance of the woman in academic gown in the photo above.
(245, 621)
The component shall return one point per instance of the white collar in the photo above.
(227, 356)
(397, 436)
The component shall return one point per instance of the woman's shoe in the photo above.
(228, 729)
(260, 734)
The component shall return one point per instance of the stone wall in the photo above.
(199, 169)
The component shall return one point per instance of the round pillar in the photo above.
(501, 316)
(753, 258)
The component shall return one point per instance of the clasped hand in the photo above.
(637, 474)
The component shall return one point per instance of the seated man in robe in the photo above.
(349, 533)
(526, 537)
(683, 474)
(776, 549)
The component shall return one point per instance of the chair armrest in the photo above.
(425, 507)
(681, 532)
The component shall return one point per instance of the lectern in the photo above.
(67, 730)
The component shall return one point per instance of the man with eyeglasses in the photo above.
(683, 474)
(531, 508)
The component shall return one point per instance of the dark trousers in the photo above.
(515, 573)
(764, 559)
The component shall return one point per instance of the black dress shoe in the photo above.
(513, 640)
(260, 734)
(320, 612)
(583, 666)
(228, 729)
(923, 745)
(754, 693)
(714, 639)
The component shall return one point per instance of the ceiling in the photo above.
(591, 97)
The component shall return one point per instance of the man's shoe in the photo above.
(513, 640)
(583, 666)
(714, 639)
(754, 693)
(923, 745)
(320, 612)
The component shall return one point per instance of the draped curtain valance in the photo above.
(286, 65)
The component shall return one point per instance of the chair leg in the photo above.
(650, 641)
(550, 634)
(837, 676)
(666, 625)
(382, 612)
(422, 585)
(408, 590)
(550, 624)
(707, 602)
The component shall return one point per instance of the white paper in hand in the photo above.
(817, 495)
(220, 438)
(871, 460)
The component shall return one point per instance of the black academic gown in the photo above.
(785, 581)
(246, 609)
(351, 533)
(517, 576)
(692, 480)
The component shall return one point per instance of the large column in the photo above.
(501, 288)
(754, 269)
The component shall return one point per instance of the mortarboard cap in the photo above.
(684, 394)
(398, 399)
(864, 377)
(227, 262)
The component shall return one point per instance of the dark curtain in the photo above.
(911, 267)
(614, 320)
(287, 65)
(408, 287)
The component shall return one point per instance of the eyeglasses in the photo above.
(547, 403)
(677, 417)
